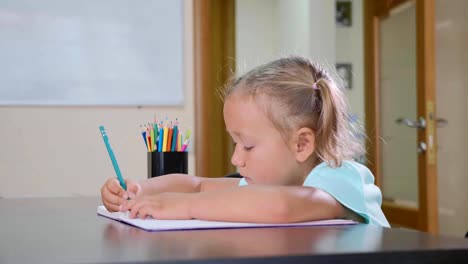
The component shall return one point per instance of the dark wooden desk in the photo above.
(48, 230)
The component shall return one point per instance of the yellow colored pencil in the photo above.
(165, 139)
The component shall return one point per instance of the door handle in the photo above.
(421, 123)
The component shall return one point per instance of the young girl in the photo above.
(293, 147)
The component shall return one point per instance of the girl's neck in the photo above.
(311, 164)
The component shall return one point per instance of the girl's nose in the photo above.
(237, 159)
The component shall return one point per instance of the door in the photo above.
(400, 109)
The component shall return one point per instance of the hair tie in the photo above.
(314, 86)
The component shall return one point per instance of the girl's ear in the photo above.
(304, 143)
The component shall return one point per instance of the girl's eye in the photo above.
(248, 148)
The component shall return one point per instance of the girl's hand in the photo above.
(160, 206)
(113, 195)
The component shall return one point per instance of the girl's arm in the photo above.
(114, 196)
(185, 183)
(266, 204)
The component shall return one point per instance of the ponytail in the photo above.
(329, 123)
(335, 138)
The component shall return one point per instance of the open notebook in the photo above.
(150, 224)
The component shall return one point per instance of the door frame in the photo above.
(214, 48)
(425, 217)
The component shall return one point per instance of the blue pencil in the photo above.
(161, 139)
(143, 134)
(112, 157)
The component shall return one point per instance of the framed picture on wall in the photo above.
(345, 72)
(343, 13)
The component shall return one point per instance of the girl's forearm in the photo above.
(171, 183)
(241, 204)
(265, 204)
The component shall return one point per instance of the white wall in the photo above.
(322, 31)
(268, 29)
(350, 49)
(58, 151)
(293, 29)
(256, 33)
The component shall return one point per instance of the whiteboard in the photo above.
(91, 52)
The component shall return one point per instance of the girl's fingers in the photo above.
(112, 207)
(143, 212)
(141, 207)
(133, 190)
(134, 209)
(115, 188)
(111, 201)
(127, 205)
(130, 203)
(112, 198)
(153, 214)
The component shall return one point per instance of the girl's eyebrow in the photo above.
(238, 135)
(232, 133)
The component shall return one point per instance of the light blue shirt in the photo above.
(351, 184)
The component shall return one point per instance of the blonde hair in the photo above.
(303, 94)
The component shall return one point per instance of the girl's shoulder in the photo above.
(349, 170)
(351, 184)
(345, 164)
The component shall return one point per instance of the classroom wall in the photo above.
(253, 17)
(58, 151)
(350, 49)
(307, 28)
(286, 27)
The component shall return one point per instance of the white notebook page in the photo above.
(163, 225)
